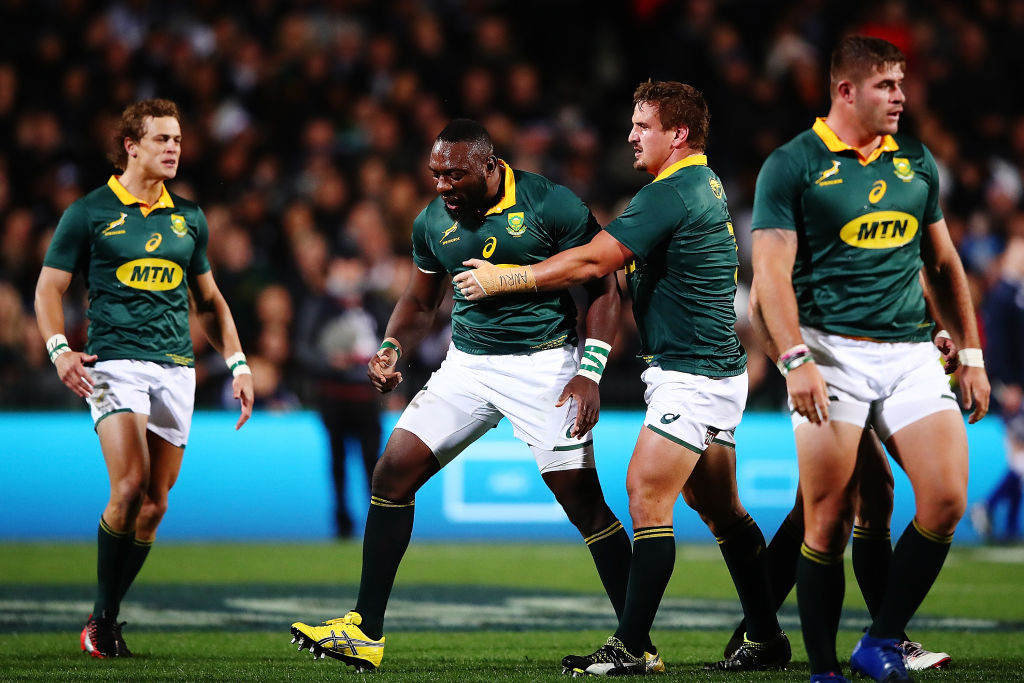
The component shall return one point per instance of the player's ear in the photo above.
(681, 136)
(845, 90)
(491, 164)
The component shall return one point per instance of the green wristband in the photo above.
(390, 345)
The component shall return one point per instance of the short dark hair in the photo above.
(469, 131)
(856, 57)
(133, 126)
(678, 104)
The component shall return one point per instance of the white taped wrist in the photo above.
(237, 364)
(56, 345)
(595, 357)
(971, 358)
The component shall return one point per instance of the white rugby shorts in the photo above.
(887, 385)
(469, 394)
(694, 411)
(166, 393)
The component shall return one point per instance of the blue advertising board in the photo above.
(271, 481)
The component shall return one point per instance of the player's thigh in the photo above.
(711, 488)
(933, 451)
(165, 461)
(874, 483)
(122, 437)
(827, 458)
(657, 472)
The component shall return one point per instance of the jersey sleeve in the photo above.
(200, 263)
(651, 217)
(777, 193)
(69, 245)
(422, 256)
(569, 218)
(932, 210)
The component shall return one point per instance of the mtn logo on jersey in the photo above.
(516, 224)
(880, 230)
(902, 169)
(150, 274)
(828, 173)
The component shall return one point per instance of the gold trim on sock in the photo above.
(818, 557)
(385, 503)
(604, 533)
(931, 535)
(106, 529)
(871, 534)
(653, 532)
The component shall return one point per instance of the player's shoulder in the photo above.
(533, 188)
(184, 204)
(910, 146)
(433, 216)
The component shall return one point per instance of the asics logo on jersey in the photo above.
(669, 418)
(880, 230)
(150, 274)
(828, 173)
(109, 230)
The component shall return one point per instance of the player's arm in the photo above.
(774, 253)
(947, 281)
(602, 318)
(943, 342)
(50, 289)
(411, 320)
(599, 257)
(219, 325)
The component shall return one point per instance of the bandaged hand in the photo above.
(486, 279)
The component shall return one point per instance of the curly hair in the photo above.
(678, 104)
(133, 126)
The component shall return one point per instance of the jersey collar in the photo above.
(692, 160)
(508, 197)
(834, 144)
(127, 198)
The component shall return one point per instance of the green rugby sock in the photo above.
(110, 547)
(820, 587)
(654, 557)
(916, 563)
(872, 550)
(612, 554)
(742, 546)
(388, 530)
(135, 553)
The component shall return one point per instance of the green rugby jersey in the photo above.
(533, 219)
(683, 278)
(137, 261)
(859, 223)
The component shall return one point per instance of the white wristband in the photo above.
(56, 345)
(237, 365)
(595, 357)
(971, 358)
(942, 334)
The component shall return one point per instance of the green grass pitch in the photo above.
(460, 612)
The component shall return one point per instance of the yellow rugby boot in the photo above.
(341, 639)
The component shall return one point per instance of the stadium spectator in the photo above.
(675, 241)
(1003, 315)
(143, 251)
(866, 359)
(514, 359)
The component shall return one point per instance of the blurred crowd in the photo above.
(307, 126)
